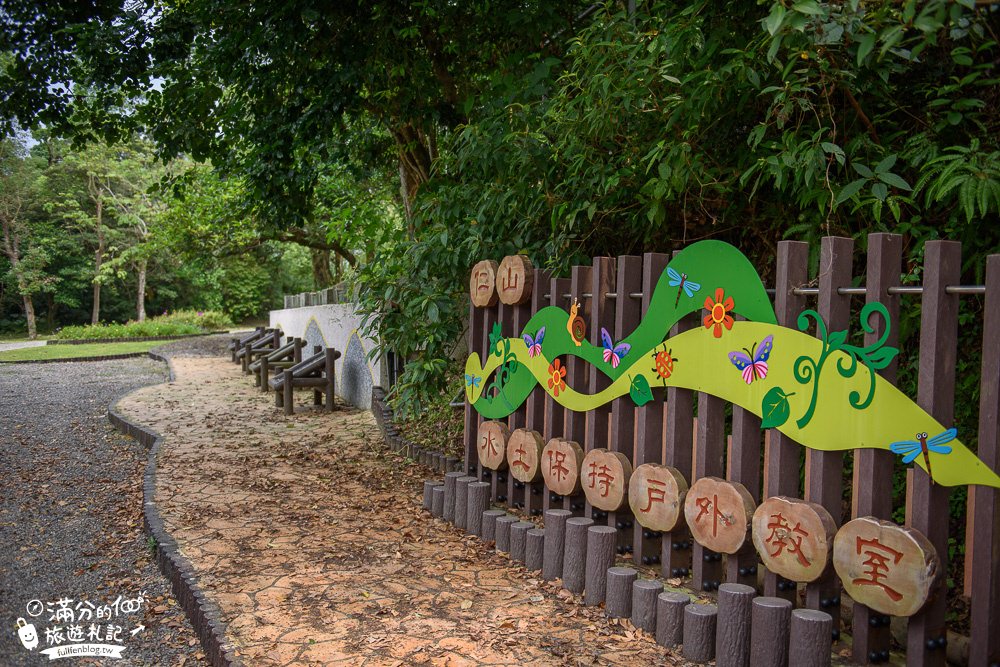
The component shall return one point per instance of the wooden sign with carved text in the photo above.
(514, 279)
(482, 283)
(605, 478)
(562, 461)
(793, 537)
(524, 454)
(493, 436)
(718, 513)
(886, 567)
(656, 496)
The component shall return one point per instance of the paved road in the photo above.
(71, 517)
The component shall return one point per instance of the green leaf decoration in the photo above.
(639, 390)
(774, 409)
(496, 335)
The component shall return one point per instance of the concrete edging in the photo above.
(204, 614)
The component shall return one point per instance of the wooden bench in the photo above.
(261, 347)
(316, 373)
(237, 343)
(284, 357)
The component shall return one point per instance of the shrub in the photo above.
(207, 320)
(180, 323)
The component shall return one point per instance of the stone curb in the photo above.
(204, 614)
(137, 339)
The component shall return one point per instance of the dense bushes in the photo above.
(180, 323)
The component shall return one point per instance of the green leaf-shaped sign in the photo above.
(774, 408)
(639, 390)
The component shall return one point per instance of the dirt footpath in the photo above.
(311, 539)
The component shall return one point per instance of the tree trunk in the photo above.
(140, 300)
(322, 277)
(415, 158)
(29, 313)
(95, 315)
(50, 310)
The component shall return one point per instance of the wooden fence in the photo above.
(615, 293)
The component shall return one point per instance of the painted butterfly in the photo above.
(754, 366)
(534, 344)
(613, 353)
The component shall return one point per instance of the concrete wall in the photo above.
(337, 326)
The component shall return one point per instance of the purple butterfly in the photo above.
(535, 344)
(754, 366)
(613, 353)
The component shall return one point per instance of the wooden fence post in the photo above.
(535, 404)
(602, 279)
(927, 503)
(781, 453)
(872, 493)
(555, 414)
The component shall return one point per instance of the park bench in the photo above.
(238, 342)
(261, 347)
(316, 373)
(284, 357)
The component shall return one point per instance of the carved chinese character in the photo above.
(493, 436)
(515, 277)
(886, 567)
(718, 513)
(561, 465)
(524, 454)
(606, 475)
(656, 495)
(793, 537)
(482, 283)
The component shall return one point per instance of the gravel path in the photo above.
(71, 514)
(17, 346)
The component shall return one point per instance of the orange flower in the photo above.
(718, 312)
(557, 372)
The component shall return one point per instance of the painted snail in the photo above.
(575, 325)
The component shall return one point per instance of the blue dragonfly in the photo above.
(472, 380)
(681, 282)
(911, 449)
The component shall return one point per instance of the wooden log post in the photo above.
(478, 501)
(926, 632)
(601, 542)
(554, 413)
(670, 607)
(781, 453)
(825, 470)
(503, 525)
(317, 394)
(555, 543)
(534, 549)
(809, 638)
(732, 638)
(490, 524)
(699, 632)
(982, 568)
(288, 397)
(644, 594)
(618, 597)
(429, 486)
(519, 539)
(575, 555)
(872, 479)
(462, 499)
(437, 501)
(449, 495)
(770, 631)
(331, 378)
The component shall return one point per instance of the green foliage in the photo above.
(205, 320)
(150, 327)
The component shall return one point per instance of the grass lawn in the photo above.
(85, 350)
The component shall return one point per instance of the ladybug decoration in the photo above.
(575, 325)
(664, 361)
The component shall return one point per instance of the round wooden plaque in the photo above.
(482, 283)
(524, 454)
(514, 279)
(605, 478)
(562, 461)
(656, 496)
(886, 567)
(493, 436)
(718, 513)
(793, 537)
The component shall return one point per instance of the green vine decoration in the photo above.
(874, 357)
(500, 346)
